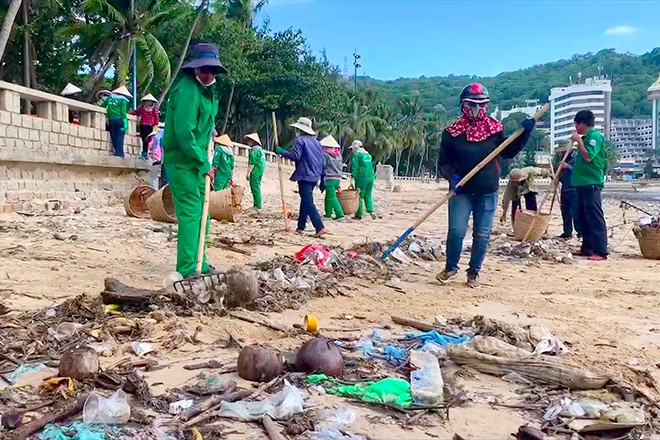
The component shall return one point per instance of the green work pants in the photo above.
(365, 186)
(255, 187)
(221, 182)
(187, 187)
(332, 204)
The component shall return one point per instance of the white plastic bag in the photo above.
(280, 406)
(426, 382)
(113, 410)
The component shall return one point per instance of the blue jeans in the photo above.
(482, 207)
(117, 136)
(307, 207)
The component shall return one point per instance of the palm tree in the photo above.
(412, 127)
(243, 11)
(7, 24)
(114, 29)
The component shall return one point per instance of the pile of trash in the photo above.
(552, 249)
(648, 222)
(415, 247)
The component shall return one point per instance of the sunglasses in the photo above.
(476, 104)
(206, 70)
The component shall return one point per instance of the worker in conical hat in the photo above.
(332, 172)
(223, 162)
(116, 104)
(362, 170)
(148, 118)
(256, 167)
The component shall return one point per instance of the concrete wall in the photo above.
(47, 162)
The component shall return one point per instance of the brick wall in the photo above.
(45, 161)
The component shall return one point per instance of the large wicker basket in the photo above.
(161, 206)
(524, 220)
(225, 204)
(349, 199)
(649, 242)
(135, 203)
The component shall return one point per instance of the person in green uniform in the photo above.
(256, 167)
(362, 169)
(189, 124)
(223, 162)
(116, 105)
(331, 178)
(588, 179)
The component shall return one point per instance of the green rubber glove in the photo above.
(279, 150)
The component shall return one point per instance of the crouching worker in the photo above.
(521, 185)
(189, 124)
(465, 143)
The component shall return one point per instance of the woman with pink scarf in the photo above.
(332, 172)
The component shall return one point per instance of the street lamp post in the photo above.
(356, 64)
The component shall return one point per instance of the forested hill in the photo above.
(631, 75)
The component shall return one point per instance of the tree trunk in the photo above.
(26, 56)
(397, 160)
(7, 24)
(202, 8)
(228, 108)
(96, 79)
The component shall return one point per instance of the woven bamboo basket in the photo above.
(349, 199)
(161, 206)
(225, 204)
(649, 242)
(524, 220)
(136, 202)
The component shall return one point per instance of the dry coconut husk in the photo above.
(258, 364)
(495, 347)
(242, 288)
(79, 363)
(533, 368)
(397, 189)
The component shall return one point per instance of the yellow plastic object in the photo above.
(56, 382)
(196, 434)
(311, 323)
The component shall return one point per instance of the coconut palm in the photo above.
(114, 28)
(7, 24)
(243, 10)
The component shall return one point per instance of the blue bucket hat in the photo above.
(204, 55)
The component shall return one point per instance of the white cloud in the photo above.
(621, 30)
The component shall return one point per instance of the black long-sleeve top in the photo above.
(458, 156)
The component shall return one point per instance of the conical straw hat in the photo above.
(149, 97)
(330, 142)
(70, 89)
(254, 137)
(122, 90)
(224, 140)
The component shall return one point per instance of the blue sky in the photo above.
(410, 38)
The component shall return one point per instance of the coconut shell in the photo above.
(320, 355)
(242, 288)
(79, 363)
(258, 364)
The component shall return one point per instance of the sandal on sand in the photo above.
(321, 233)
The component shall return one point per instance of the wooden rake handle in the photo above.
(205, 214)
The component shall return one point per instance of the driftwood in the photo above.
(271, 428)
(422, 326)
(252, 320)
(533, 368)
(116, 292)
(69, 410)
(225, 367)
(189, 414)
(232, 248)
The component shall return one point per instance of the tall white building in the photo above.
(593, 94)
(632, 138)
(654, 97)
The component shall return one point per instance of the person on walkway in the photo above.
(189, 123)
(117, 107)
(307, 153)
(521, 185)
(332, 173)
(362, 170)
(223, 162)
(568, 196)
(156, 153)
(464, 144)
(148, 115)
(256, 168)
(72, 91)
(588, 179)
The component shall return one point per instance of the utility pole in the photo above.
(134, 91)
(357, 65)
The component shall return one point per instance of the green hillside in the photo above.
(631, 75)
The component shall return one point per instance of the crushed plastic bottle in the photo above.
(336, 419)
(426, 382)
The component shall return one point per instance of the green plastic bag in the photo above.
(389, 390)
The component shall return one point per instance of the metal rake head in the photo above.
(199, 284)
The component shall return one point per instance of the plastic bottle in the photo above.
(426, 382)
(113, 410)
